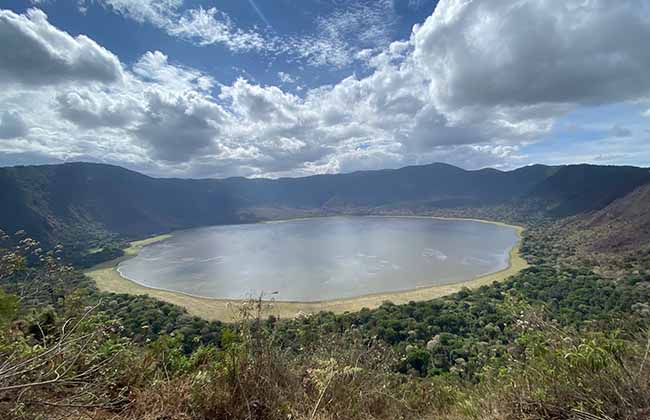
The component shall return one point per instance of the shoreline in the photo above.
(108, 279)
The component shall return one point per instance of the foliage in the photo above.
(559, 340)
(8, 308)
(554, 372)
(461, 332)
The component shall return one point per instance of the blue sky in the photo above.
(129, 39)
(295, 87)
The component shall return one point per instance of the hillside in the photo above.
(582, 188)
(551, 342)
(439, 185)
(100, 199)
(91, 205)
(614, 240)
(625, 222)
(614, 235)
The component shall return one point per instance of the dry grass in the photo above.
(345, 377)
(551, 373)
(109, 280)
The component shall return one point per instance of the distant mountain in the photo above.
(581, 188)
(438, 184)
(82, 202)
(51, 200)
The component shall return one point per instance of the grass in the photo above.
(108, 279)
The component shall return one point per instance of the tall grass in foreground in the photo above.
(550, 373)
(343, 377)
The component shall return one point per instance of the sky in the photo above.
(273, 88)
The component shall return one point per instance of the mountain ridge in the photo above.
(89, 204)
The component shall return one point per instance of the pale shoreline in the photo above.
(108, 279)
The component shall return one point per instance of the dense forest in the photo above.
(566, 338)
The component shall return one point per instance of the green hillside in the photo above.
(94, 206)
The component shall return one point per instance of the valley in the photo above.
(324, 210)
(576, 286)
(108, 279)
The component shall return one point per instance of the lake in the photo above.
(322, 258)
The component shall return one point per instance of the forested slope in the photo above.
(92, 205)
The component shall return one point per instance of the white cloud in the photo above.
(177, 127)
(156, 12)
(33, 52)
(157, 113)
(254, 104)
(415, 106)
(336, 40)
(286, 78)
(12, 125)
(504, 53)
(91, 109)
(211, 26)
(154, 66)
(199, 25)
(340, 36)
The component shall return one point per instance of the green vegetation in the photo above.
(93, 206)
(460, 331)
(566, 338)
(554, 341)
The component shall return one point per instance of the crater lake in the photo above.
(322, 258)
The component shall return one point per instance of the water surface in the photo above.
(322, 258)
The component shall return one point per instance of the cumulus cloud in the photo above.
(177, 127)
(476, 82)
(469, 87)
(154, 66)
(33, 52)
(91, 109)
(12, 125)
(505, 53)
(271, 130)
(257, 104)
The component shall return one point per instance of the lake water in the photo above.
(322, 258)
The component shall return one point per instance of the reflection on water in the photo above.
(320, 259)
